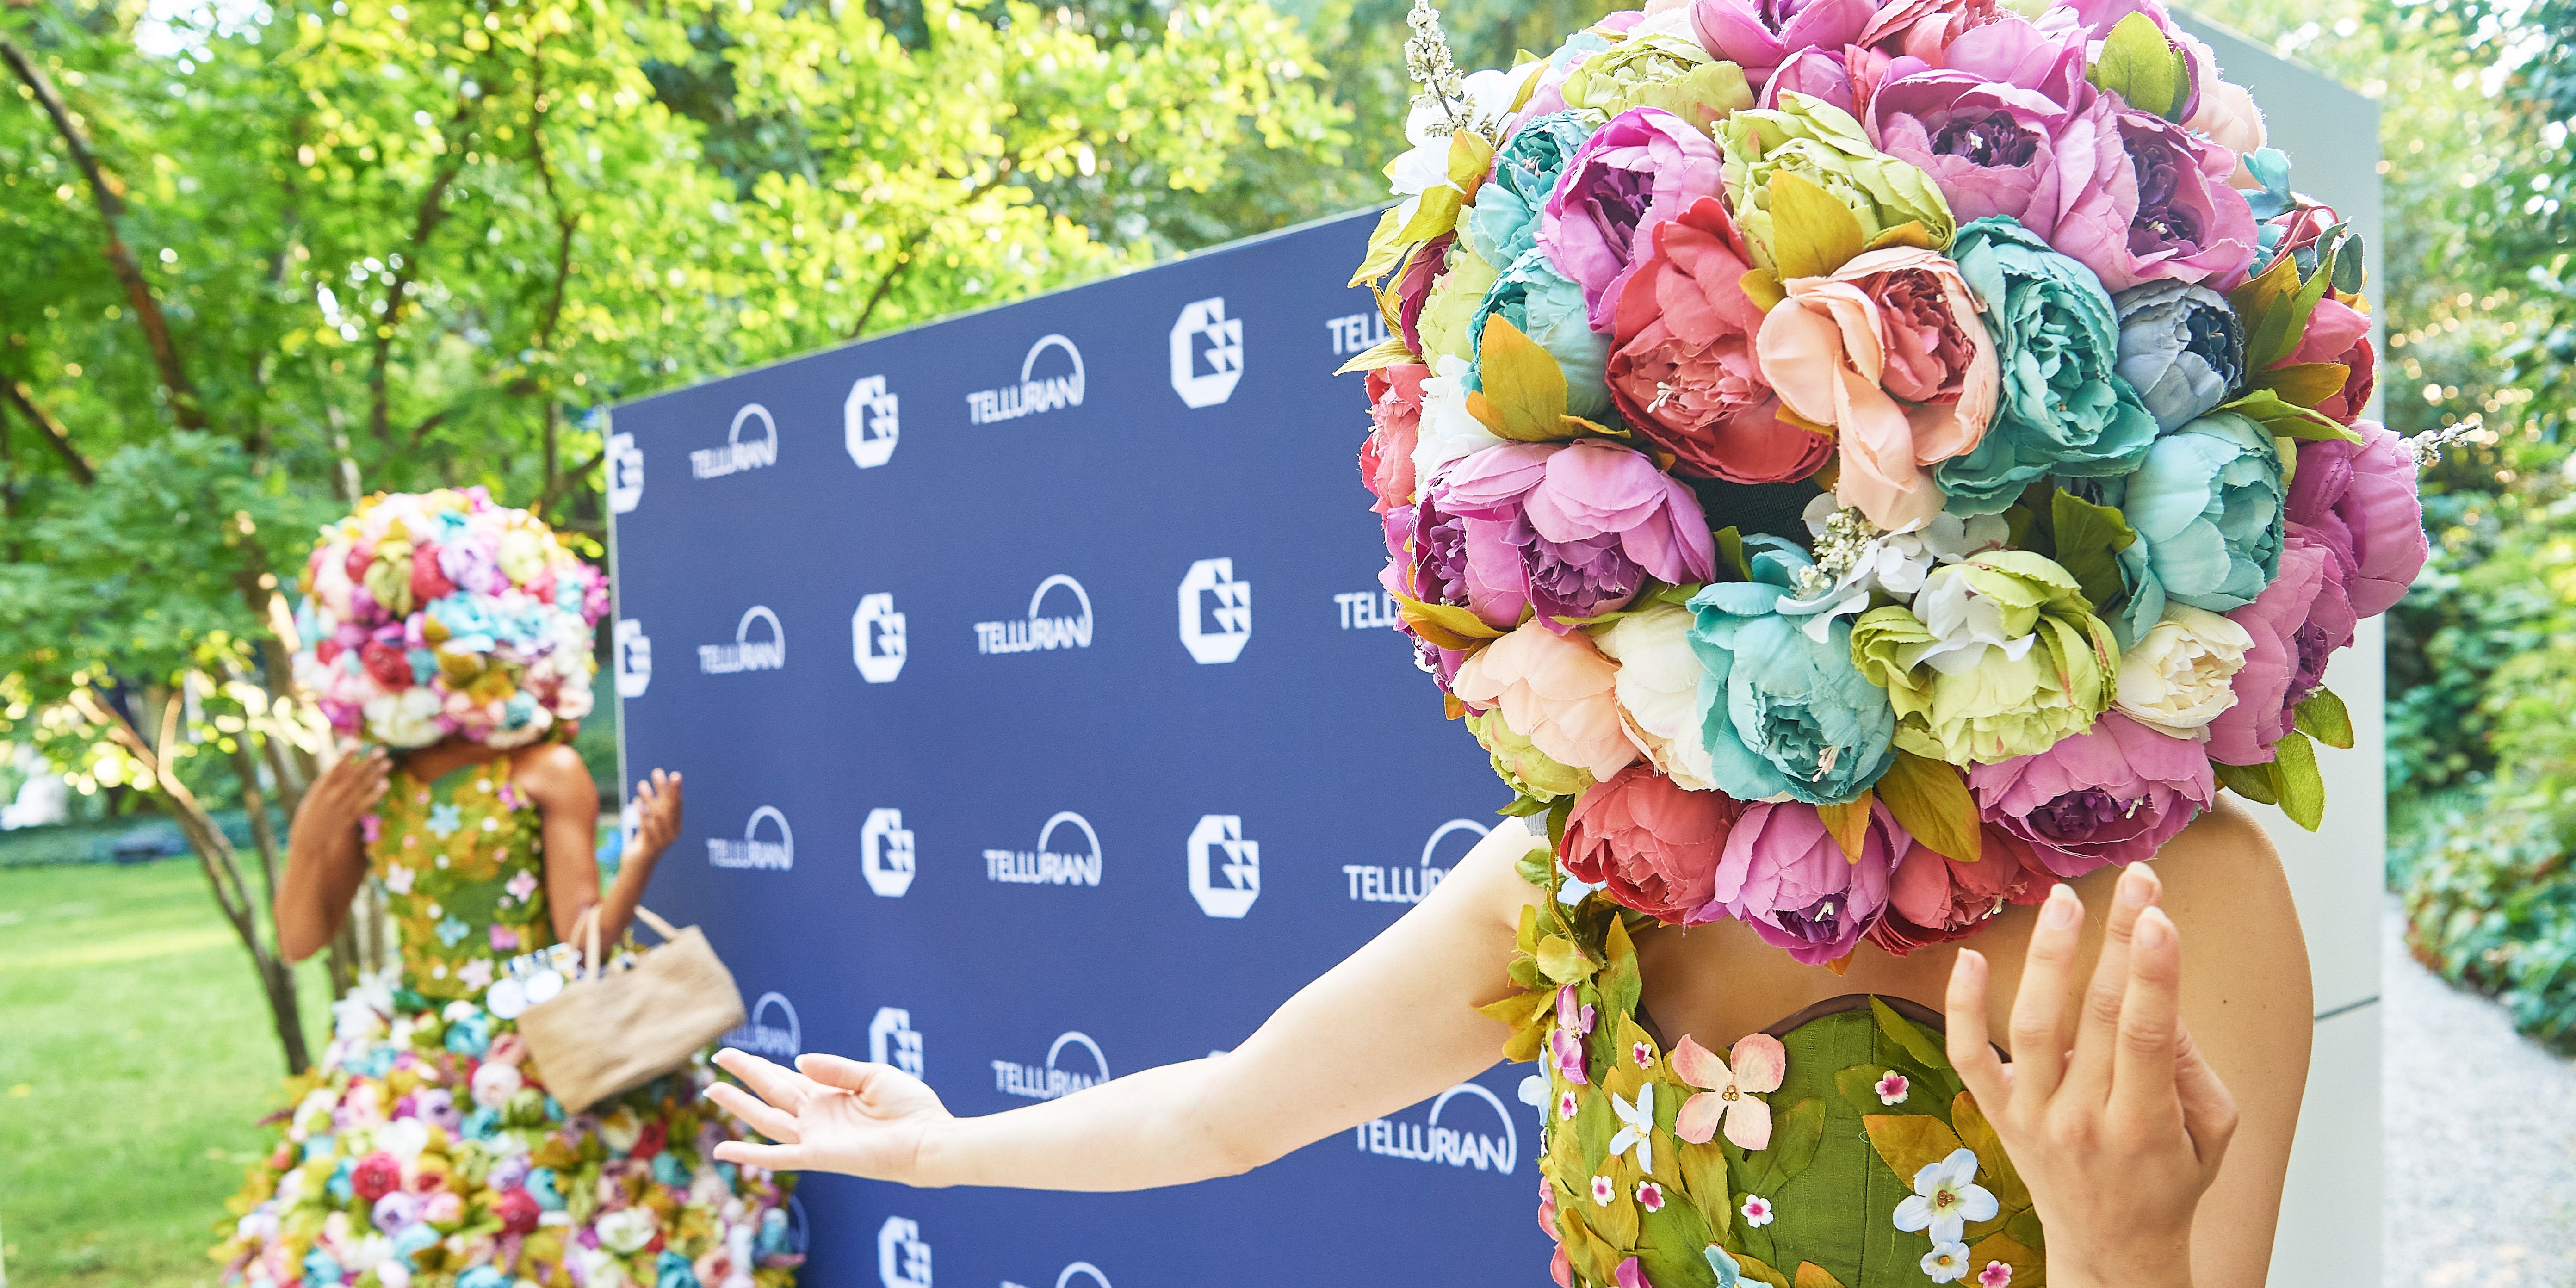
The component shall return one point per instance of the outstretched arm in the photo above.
(1393, 1024)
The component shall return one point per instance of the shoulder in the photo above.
(2222, 872)
(553, 773)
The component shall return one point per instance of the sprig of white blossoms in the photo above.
(2426, 448)
(1427, 61)
(1855, 557)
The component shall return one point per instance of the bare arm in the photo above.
(326, 858)
(1394, 1023)
(567, 803)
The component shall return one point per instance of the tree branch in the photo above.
(425, 222)
(106, 194)
(16, 393)
(903, 253)
(564, 481)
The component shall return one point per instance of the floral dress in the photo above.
(423, 1150)
(1836, 1150)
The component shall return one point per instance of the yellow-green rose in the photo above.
(1659, 70)
(1521, 766)
(1999, 657)
(1823, 144)
(1452, 302)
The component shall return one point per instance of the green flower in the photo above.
(2065, 408)
(1453, 300)
(1523, 767)
(1659, 70)
(1822, 143)
(2005, 659)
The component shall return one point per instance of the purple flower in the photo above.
(1988, 126)
(2359, 501)
(1565, 1040)
(473, 566)
(1759, 35)
(2149, 199)
(1646, 166)
(2112, 794)
(1576, 527)
(1786, 876)
(396, 1211)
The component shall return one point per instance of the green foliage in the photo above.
(2491, 903)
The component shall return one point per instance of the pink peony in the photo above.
(2337, 332)
(1924, 29)
(1988, 126)
(1759, 35)
(1787, 877)
(2359, 501)
(1386, 458)
(1684, 373)
(2297, 623)
(2114, 793)
(1653, 844)
(1646, 166)
(1889, 351)
(1575, 528)
(1934, 899)
(375, 1176)
(2150, 199)
(1554, 690)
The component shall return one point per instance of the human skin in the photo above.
(2119, 1115)
(326, 856)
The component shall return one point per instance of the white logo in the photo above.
(1065, 1280)
(1217, 844)
(1034, 393)
(746, 653)
(892, 1041)
(1224, 353)
(625, 465)
(1049, 1082)
(885, 853)
(1216, 611)
(876, 639)
(634, 651)
(903, 1260)
(737, 455)
(751, 851)
(1362, 609)
(1038, 631)
(1431, 1142)
(1373, 884)
(1356, 333)
(766, 1039)
(868, 426)
(1047, 865)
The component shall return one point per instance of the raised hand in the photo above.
(657, 816)
(829, 1115)
(2119, 1130)
(347, 790)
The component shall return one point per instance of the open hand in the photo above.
(829, 1115)
(348, 789)
(2118, 1131)
(657, 816)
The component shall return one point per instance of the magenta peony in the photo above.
(1646, 166)
(1575, 527)
(2150, 199)
(1934, 899)
(2114, 793)
(1653, 845)
(2297, 623)
(2337, 332)
(2359, 502)
(1783, 874)
(1989, 125)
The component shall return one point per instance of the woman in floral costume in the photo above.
(424, 1150)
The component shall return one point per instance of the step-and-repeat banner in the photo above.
(1043, 722)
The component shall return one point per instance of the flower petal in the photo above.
(1694, 1064)
(1748, 1123)
(1760, 1062)
(1697, 1122)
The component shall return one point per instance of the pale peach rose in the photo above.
(1555, 690)
(1890, 352)
(2228, 116)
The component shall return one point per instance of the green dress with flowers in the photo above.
(1876, 1171)
(422, 1151)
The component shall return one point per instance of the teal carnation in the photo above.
(1503, 224)
(2207, 505)
(2065, 408)
(1549, 308)
(1784, 710)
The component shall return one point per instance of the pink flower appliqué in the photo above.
(1566, 1105)
(504, 939)
(1650, 1196)
(1732, 1096)
(371, 828)
(1603, 1191)
(521, 886)
(1893, 1088)
(1565, 1041)
(1641, 1052)
(1632, 1275)
(1756, 1210)
(1995, 1275)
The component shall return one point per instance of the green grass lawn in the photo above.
(135, 1057)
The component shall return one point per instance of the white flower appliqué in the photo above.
(1946, 1198)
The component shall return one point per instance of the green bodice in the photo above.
(1867, 1117)
(463, 865)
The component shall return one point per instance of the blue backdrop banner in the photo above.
(1042, 723)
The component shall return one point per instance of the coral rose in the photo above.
(1933, 899)
(1651, 844)
(1395, 409)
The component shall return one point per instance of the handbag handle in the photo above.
(585, 933)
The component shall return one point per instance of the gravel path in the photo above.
(2481, 1180)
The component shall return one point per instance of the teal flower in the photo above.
(452, 931)
(1784, 714)
(444, 820)
(1549, 308)
(2207, 507)
(1503, 225)
(2066, 409)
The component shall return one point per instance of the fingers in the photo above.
(777, 1126)
(777, 1158)
(1970, 1051)
(781, 1087)
(843, 1073)
(2142, 1081)
(2039, 1008)
(2098, 1024)
(2208, 1109)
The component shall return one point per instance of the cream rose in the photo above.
(1658, 691)
(2180, 675)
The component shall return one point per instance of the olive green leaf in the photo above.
(1930, 800)
(2322, 716)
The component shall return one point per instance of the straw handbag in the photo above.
(609, 1031)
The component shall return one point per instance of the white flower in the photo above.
(2181, 673)
(403, 1138)
(1945, 1199)
(477, 973)
(392, 1272)
(1963, 625)
(1756, 1210)
(495, 1083)
(398, 879)
(1658, 691)
(313, 1113)
(627, 1229)
(599, 1266)
(1855, 557)
(1947, 1262)
(1447, 431)
(620, 1130)
(405, 719)
(1425, 165)
(1636, 1126)
(1603, 1190)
